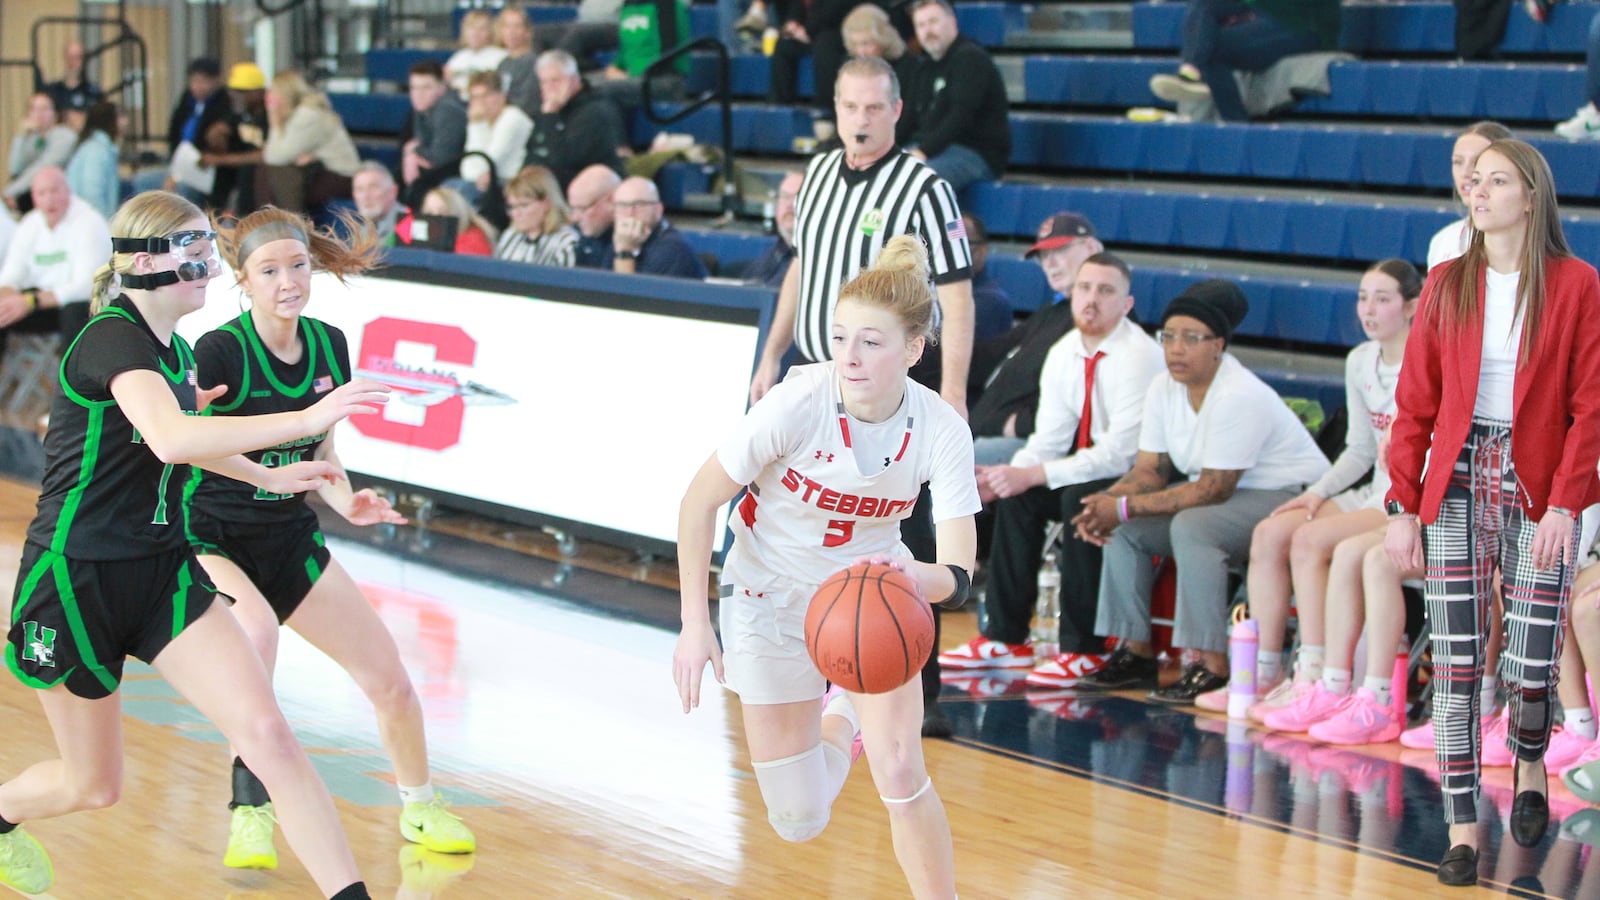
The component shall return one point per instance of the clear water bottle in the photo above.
(769, 213)
(1047, 612)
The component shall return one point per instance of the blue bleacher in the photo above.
(375, 114)
(1377, 29)
(394, 64)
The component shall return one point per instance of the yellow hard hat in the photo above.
(246, 76)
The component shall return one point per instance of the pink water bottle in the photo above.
(1400, 680)
(1242, 646)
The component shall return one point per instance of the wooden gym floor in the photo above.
(556, 733)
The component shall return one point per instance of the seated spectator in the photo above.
(576, 128)
(495, 129)
(1008, 369)
(309, 158)
(202, 105)
(1585, 123)
(1237, 453)
(1451, 240)
(517, 74)
(648, 29)
(8, 230)
(478, 52)
(541, 230)
(92, 171)
(377, 199)
(1221, 37)
(1292, 550)
(992, 318)
(234, 146)
(74, 94)
(1091, 406)
(770, 268)
(959, 118)
(438, 131)
(42, 143)
(643, 241)
(589, 197)
(49, 266)
(475, 236)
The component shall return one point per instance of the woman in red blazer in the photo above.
(1493, 452)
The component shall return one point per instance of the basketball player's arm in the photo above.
(295, 478)
(363, 507)
(177, 437)
(710, 491)
(955, 342)
(781, 337)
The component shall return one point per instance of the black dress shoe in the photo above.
(1459, 866)
(1196, 681)
(935, 724)
(1123, 670)
(1530, 816)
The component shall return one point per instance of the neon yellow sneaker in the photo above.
(23, 863)
(250, 839)
(427, 873)
(436, 828)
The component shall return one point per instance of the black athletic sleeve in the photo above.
(107, 348)
(219, 359)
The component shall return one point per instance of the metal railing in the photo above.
(132, 88)
(719, 91)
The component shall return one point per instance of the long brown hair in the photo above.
(329, 252)
(1457, 293)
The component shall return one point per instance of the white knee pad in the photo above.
(794, 789)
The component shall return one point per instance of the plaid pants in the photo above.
(1482, 527)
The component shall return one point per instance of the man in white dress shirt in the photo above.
(49, 265)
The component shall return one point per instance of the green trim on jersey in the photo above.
(56, 565)
(314, 571)
(313, 347)
(180, 598)
(94, 428)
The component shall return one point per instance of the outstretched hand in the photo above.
(300, 477)
(357, 397)
(368, 508)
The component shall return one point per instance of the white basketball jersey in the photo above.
(809, 509)
(1376, 384)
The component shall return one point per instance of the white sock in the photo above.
(1580, 722)
(1269, 667)
(1382, 687)
(421, 794)
(1336, 681)
(1308, 664)
(1486, 695)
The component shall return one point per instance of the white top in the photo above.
(1447, 244)
(316, 130)
(505, 142)
(466, 62)
(62, 259)
(1502, 337)
(1369, 401)
(813, 506)
(1121, 379)
(1242, 425)
(8, 230)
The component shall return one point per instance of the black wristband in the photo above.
(958, 597)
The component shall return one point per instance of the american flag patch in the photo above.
(955, 230)
(323, 385)
(193, 378)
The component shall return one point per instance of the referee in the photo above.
(853, 200)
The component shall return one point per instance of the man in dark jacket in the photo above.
(956, 102)
(438, 131)
(576, 128)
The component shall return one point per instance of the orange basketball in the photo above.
(868, 629)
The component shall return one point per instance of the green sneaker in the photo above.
(436, 828)
(23, 863)
(250, 839)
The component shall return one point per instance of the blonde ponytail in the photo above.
(898, 283)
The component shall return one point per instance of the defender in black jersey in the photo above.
(106, 572)
(264, 549)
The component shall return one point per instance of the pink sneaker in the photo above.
(1280, 696)
(1217, 700)
(1360, 719)
(1566, 747)
(1589, 755)
(1065, 670)
(1421, 737)
(982, 653)
(1309, 707)
(834, 695)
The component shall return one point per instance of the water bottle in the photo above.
(1047, 611)
(1242, 645)
(769, 214)
(1239, 784)
(1400, 680)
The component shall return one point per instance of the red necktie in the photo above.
(1086, 419)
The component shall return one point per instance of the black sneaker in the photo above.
(1122, 670)
(1196, 681)
(935, 724)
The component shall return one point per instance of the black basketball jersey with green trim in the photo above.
(259, 383)
(105, 494)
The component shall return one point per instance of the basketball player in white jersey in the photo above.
(833, 458)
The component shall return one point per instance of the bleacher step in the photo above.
(1096, 39)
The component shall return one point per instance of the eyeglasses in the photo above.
(1187, 338)
(516, 205)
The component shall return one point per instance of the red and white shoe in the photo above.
(982, 653)
(985, 684)
(1066, 669)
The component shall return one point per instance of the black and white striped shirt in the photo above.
(556, 248)
(844, 217)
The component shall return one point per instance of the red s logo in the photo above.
(441, 424)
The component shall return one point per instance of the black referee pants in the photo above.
(1013, 589)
